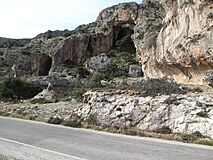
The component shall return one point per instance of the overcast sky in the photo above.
(27, 18)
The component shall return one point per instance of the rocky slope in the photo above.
(121, 109)
(181, 113)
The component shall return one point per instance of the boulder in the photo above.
(100, 64)
(47, 95)
(209, 77)
(135, 71)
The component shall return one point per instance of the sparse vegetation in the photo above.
(9, 43)
(132, 131)
(203, 114)
(15, 88)
(5, 114)
(191, 138)
(195, 38)
(210, 15)
(125, 44)
(96, 80)
(163, 130)
(78, 71)
(196, 90)
(77, 91)
(180, 46)
(154, 87)
(71, 123)
(123, 58)
(207, 142)
(54, 120)
(39, 101)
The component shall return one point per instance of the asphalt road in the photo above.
(26, 140)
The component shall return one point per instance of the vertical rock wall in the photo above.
(184, 49)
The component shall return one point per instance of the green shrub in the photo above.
(4, 114)
(197, 89)
(193, 137)
(15, 88)
(163, 130)
(123, 58)
(96, 80)
(154, 87)
(195, 38)
(54, 120)
(197, 135)
(203, 114)
(77, 91)
(67, 34)
(78, 71)
(132, 131)
(210, 15)
(208, 142)
(71, 123)
(39, 101)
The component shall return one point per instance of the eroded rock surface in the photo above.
(181, 113)
(184, 48)
(172, 39)
(100, 64)
(122, 109)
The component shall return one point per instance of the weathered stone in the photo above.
(179, 112)
(209, 77)
(135, 71)
(100, 64)
(184, 45)
(47, 95)
(134, 81)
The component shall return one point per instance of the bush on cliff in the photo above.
(15, 88)
(154, 87)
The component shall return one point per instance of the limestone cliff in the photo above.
(172, 38)
(184, 49)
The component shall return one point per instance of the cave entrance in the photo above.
(122, 37)
(45, 64)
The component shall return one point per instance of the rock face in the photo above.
(135, 71)
(100, 64)
(172, 39)
(61, 48)
(181, 113)
(184, 49)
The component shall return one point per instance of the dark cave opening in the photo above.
(122, 37)
(45, 64)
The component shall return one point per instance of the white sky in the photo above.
(27, 18)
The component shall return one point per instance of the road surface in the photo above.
(27, 140)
